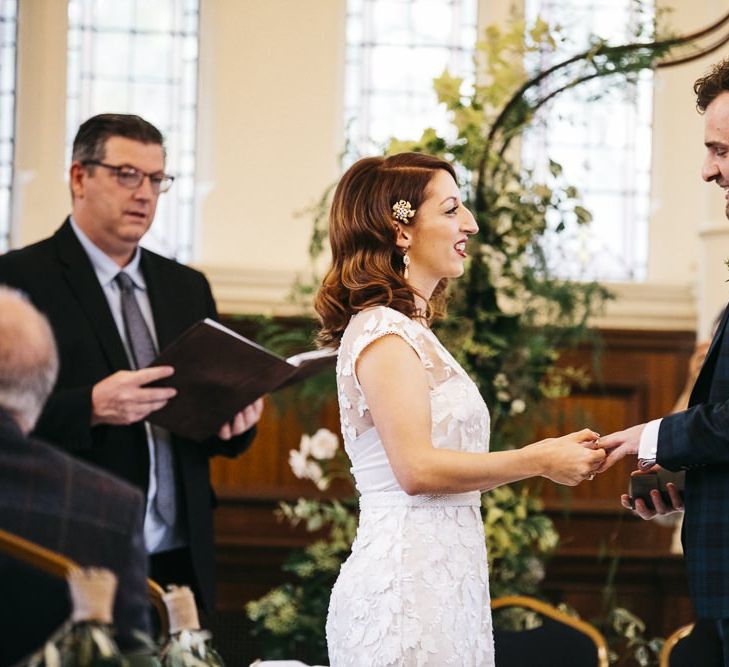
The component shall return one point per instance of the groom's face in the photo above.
(716, 140)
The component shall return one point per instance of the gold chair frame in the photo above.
(59, 566)
(552, 612)
(671, 641)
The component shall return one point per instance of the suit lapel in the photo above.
(82, 280)
(161, 293)
(701, 388)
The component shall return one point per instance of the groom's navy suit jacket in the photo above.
(59, 278)
(697, 440)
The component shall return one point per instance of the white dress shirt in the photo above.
(648, 447)
(158, 536)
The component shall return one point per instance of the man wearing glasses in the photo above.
(112, 306)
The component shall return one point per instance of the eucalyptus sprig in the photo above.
(190, 648)
(84, 644)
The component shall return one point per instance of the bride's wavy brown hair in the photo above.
(366, 264)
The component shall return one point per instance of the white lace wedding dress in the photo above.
(414, 591)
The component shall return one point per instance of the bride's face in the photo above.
(436, 241)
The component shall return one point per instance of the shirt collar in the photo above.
(105, 267)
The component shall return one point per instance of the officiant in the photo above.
(113, 305)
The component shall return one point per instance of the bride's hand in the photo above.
(571, 458)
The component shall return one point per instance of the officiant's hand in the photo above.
(661, 509)
(242, 421)
(122, 399)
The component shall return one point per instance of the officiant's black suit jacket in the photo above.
(58, 277)
(50, 498)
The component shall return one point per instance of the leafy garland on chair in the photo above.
(509, 317)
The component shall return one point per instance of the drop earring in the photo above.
(406, 264)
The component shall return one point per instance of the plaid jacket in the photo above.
(697, 440)
(70, 507)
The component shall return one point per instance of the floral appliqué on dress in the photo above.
(414, 591)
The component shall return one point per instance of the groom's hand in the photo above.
(660, 508)
(620, 444)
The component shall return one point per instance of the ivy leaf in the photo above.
(555, 168)
(584, 216)
(448, 90)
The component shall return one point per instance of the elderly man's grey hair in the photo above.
(28, 358)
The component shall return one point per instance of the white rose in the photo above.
(298, 463)
(305, 446)
(517, 406)
(323, 483)
(501, 381)
(323, 444)
(314, 472)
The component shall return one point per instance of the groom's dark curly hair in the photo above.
(712, 84)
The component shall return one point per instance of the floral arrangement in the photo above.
(290, 618)
(190, 648)
(85, 644)
(314, 459)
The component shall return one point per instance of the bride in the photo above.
(414, 590)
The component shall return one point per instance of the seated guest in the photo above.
(54, 500)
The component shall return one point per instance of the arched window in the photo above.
(8, 41)
(604, 146)
(395, 48)
(136, 56)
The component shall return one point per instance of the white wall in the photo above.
(41, 198)
(271, 75)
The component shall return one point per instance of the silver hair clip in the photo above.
(403, 211)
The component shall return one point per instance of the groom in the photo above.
(697, 439)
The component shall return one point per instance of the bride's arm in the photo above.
(395, 386)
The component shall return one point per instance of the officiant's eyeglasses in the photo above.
(132, 178)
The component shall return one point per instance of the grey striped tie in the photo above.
(143, 352)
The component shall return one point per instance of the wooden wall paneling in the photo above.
(263, 471)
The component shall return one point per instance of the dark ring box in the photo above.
(641, 486)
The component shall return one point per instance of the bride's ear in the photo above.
(404, 236)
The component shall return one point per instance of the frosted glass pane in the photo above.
(395, 48)
(154, 16)
(112, 14)
(6, 151)
(151, 58)
(390, 23)
(111, 54)
(603, 146)
(8, 34)
(432, 21)
(7, 111)
(4, 220)
(140, 56)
